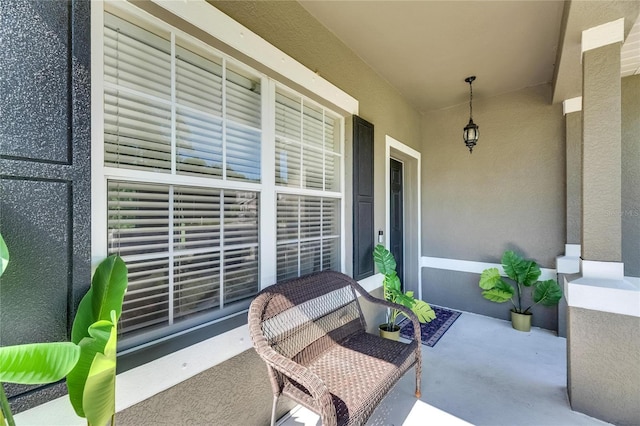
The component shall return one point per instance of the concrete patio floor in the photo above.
(481, 372)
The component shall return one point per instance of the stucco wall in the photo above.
(573, 122)
(601, 154)
(508, 194)
(604, 378)
(631, 175)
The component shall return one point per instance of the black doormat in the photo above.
(431, 332)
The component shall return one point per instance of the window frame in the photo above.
(266, 188)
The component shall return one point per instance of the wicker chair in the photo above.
(311, 333)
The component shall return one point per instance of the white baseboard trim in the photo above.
(473, 267)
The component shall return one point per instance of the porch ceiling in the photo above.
(426, 48)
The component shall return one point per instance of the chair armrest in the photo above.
(406, 311)
(300, 374)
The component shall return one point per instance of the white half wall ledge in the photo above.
(474, 267)
(572, 105)
(602, 270)
(602, 35)
(371, 283)
(604, 295)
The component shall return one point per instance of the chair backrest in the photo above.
(302, 317)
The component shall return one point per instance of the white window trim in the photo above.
(202, 14)
(168, 371)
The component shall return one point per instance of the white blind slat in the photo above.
(288, 157)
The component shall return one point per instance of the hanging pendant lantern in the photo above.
(471, 132)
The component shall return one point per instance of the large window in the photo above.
(187, 134)
(307, 167)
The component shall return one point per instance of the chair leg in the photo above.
(418, 380)
(273, 410)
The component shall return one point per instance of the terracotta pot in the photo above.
(394, 334)
(521, 322)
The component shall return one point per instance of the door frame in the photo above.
(411, 160)
(402, 212)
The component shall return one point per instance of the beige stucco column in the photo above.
(603, 315)
(573, 124)
(601, 159)
(569, 263)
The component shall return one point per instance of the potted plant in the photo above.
(524, 273)
(386, 264)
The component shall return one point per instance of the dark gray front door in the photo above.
(396, 237)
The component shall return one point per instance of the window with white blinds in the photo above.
(189, 250)
(307, 161)
(180, 113)
(308, 235)
(185, 135)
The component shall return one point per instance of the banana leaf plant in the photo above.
(88, 361)
(524, 274)
(392, 288)
(34, 363)
(92, 381)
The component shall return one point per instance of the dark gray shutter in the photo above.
(45, 179)
(363, 230)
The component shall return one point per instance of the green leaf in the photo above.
(391, 283)
(489, 278)
(37, 363)
(384, 260)
(405, 300)
(99, 396)
(547, 293)
(423, 311)
(501, 293)
(99, 335)
(4, 256)
(108, 287)
(525, 272)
